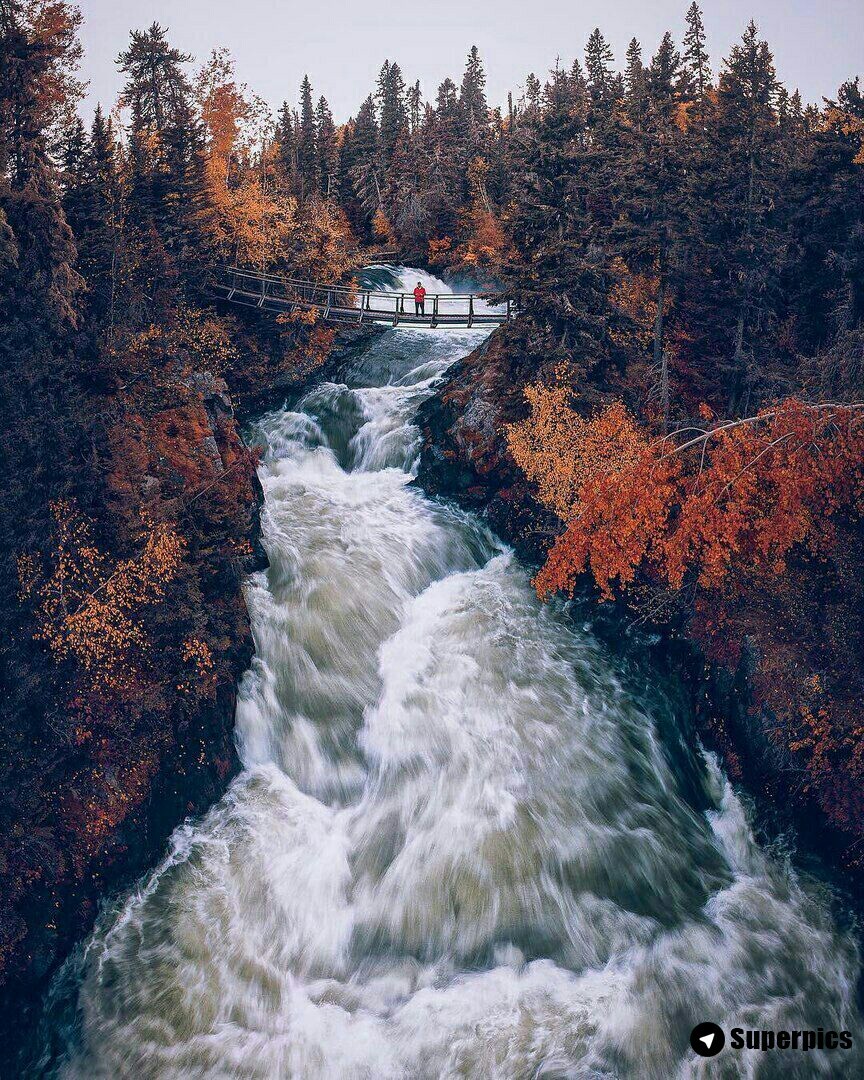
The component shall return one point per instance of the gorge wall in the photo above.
(98, 786)
(465, 456)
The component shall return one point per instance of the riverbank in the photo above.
(465, 457)
(99, 789)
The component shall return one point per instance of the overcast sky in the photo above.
(342, 45)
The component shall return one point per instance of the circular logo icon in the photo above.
(707, 1039)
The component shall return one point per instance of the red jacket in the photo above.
(419, 294)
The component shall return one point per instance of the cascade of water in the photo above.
(457, 848)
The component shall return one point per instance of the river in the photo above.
(459, 846)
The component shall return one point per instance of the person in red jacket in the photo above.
(419, 300)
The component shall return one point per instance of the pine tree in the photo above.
(447, 172)
(735, 204)
(634, 83)
(696, 72)
(392, 109)
(360, 167)
(414, 100)
(561, 272)
(286, 149)
(92, 207)
(73, 156)
(105, 240)
(44, 355)
(307, 144)
(167, 189)
(533, 90)
(599, 67)
(156, 89)
(327, 149)
(824, 255)
(473, 105)
(650, 226)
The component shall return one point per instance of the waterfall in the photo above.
(458, 846)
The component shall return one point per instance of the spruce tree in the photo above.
(327, 149)
(696, 72)
(361, 166)
(167, 190)
(599, 67)
(414, 99)
(735, 205)
(634, 84)
(307, 144)
(649, 228)
(286, 149)
(561, 272)
(473, 105)
(392, 109)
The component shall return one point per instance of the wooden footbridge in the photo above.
(354, 305)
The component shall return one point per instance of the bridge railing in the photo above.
(353, 302)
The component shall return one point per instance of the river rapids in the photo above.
(458, 846)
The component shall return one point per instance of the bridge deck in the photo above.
(343, 304)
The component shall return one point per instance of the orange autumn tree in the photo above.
(747, 529)
(719, 508)
(560, 451)
(90, 611)
(257, 222)
(254, 222)
(485, 243)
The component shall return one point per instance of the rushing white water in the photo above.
(457, 848)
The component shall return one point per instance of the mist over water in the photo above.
(457, 847)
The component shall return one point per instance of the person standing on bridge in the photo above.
(419, 300)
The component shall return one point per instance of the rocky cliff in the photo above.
(777, 638)
(98, 778)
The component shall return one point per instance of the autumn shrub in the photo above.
(88, 609)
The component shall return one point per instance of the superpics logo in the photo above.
(708, 1039)
(739, 1038)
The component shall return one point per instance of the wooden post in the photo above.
(470, 311)
(435, 310)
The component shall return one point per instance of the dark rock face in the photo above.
(464, 456)
(108, 802)
(465, 452)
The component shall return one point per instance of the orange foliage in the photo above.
(438, 248)
(88, 611)
(202, 674)
(561, 451)
(635, 296)
(485, 242)
(381, 226)
(52, 26)
(725, 507)
(322, 246)
(255, 222)
(848, 123)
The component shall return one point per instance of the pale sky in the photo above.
(342, 45)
